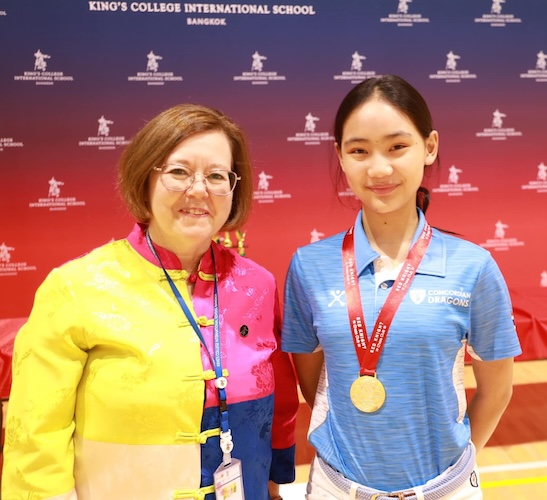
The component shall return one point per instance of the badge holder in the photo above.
(228, 478)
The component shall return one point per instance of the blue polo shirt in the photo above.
(457, 299)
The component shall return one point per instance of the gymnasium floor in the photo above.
(514, 464)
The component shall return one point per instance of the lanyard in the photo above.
(226, 443)
(368, 352)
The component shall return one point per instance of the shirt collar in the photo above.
(433, 262)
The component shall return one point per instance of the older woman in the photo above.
(147, 367)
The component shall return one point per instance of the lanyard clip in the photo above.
(221, 382)
(226, 445)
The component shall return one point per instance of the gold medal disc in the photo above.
(367, 394)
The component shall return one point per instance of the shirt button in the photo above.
(383, 286)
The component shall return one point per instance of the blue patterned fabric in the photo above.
(252, 435)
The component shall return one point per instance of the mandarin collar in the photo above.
(137, 240)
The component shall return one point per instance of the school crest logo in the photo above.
(417, 295)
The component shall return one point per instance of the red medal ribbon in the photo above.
(368, 353)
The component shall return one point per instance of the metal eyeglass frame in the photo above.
(161, 170)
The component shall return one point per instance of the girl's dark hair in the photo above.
(401, 95)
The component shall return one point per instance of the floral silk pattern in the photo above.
(110, 382)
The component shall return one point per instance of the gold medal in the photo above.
(367, 394)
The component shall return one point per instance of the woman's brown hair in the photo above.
(154, 142)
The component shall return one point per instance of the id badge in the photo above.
(229, 481)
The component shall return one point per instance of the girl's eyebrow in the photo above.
(394, 135)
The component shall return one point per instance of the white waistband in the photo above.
(441, 486)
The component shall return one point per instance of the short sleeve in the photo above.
(298, 332)
(492, 334)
